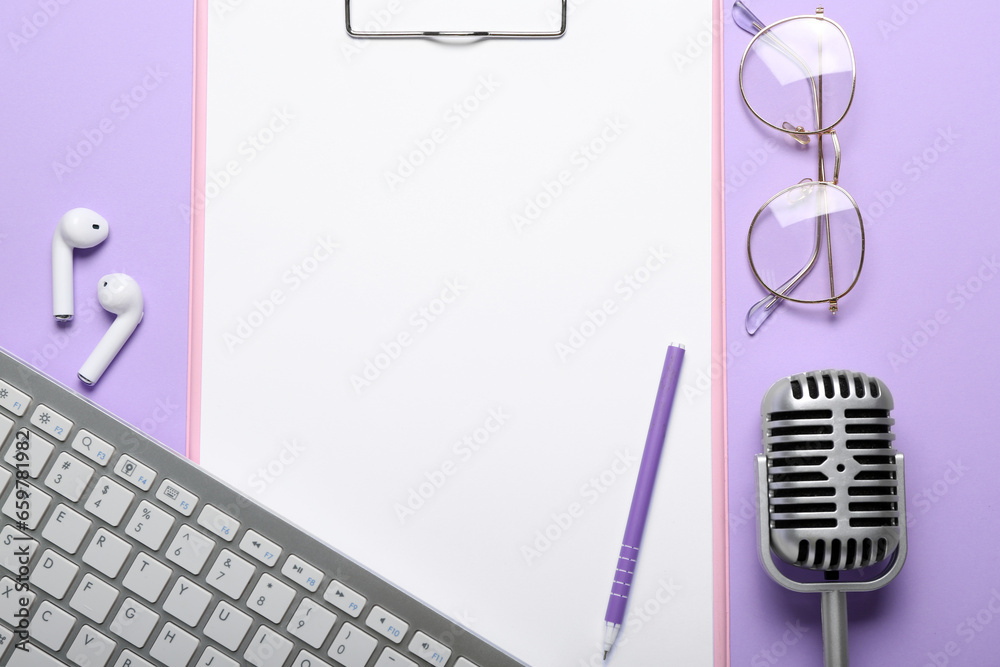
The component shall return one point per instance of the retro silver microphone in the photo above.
(830, 490)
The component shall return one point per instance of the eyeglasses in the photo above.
(807, 243)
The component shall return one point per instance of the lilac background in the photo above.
(923, 67)
(61, 75)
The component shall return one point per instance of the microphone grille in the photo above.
(832, 472)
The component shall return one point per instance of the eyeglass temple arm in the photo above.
(746, 19)
(763, 309)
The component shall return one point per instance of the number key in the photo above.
(352, 648)
(270, 598)
(109, 501)
(190, 549)
(230, 574)
(69, 477)
(149, 525)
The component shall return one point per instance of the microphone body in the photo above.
(831, 489)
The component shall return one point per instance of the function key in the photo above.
(387, 625)
(29, 449)
(219, 523)
(429, 650)
(261, 548)
(13, 400)
(176, 496)
(302, 573)
(133, 472)
(95, 449)
(463, 662)
(50, 421)
(344, 599)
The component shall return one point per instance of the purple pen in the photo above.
(643, 494)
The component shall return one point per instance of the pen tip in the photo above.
(605, 655)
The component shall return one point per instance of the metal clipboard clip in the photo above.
(365, 34)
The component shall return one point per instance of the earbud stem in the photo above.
(62, 279)
(109, 346)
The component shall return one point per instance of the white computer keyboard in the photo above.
(114, 551)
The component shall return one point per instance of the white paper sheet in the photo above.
(440, 282)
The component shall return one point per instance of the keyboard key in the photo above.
(69, 477)
(33, 657)
(94, 598)
(387, 625)
(270, 598)
(147, 577)
(107, 553)
(429, 650)
(176, 496)
(190, 549)
(5, 427)
(390, 658)
(134, 623)
(187, 601)
(261, 548)
(95, 449)
(91, 648)
(307, 659)
(11, 600)
(173, 647)
(109, 501)
(135, 473)
(302, 573)
(212, 658)
(29, 449)
(6, 639)
(4, 477)
(66, 529)
(230, 574)
(50, 626)
(48, 420)
(54, 574)
(32, 502)
(129, 659)
(149, 525)
(12, 399)
(462, 662)
(352, 648)
(267, 648)
(228, 626)
(16, 549)
(219, 523)
(311, 623)
(343, 598)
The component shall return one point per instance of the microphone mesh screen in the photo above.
(832, 494)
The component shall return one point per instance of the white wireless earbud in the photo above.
(79, 228)
(119, 294)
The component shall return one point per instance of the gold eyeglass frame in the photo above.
(802, 136)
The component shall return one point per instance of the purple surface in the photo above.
(923, 318)
(111, 81)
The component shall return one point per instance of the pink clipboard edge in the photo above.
(199, 118)
(720, 464)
